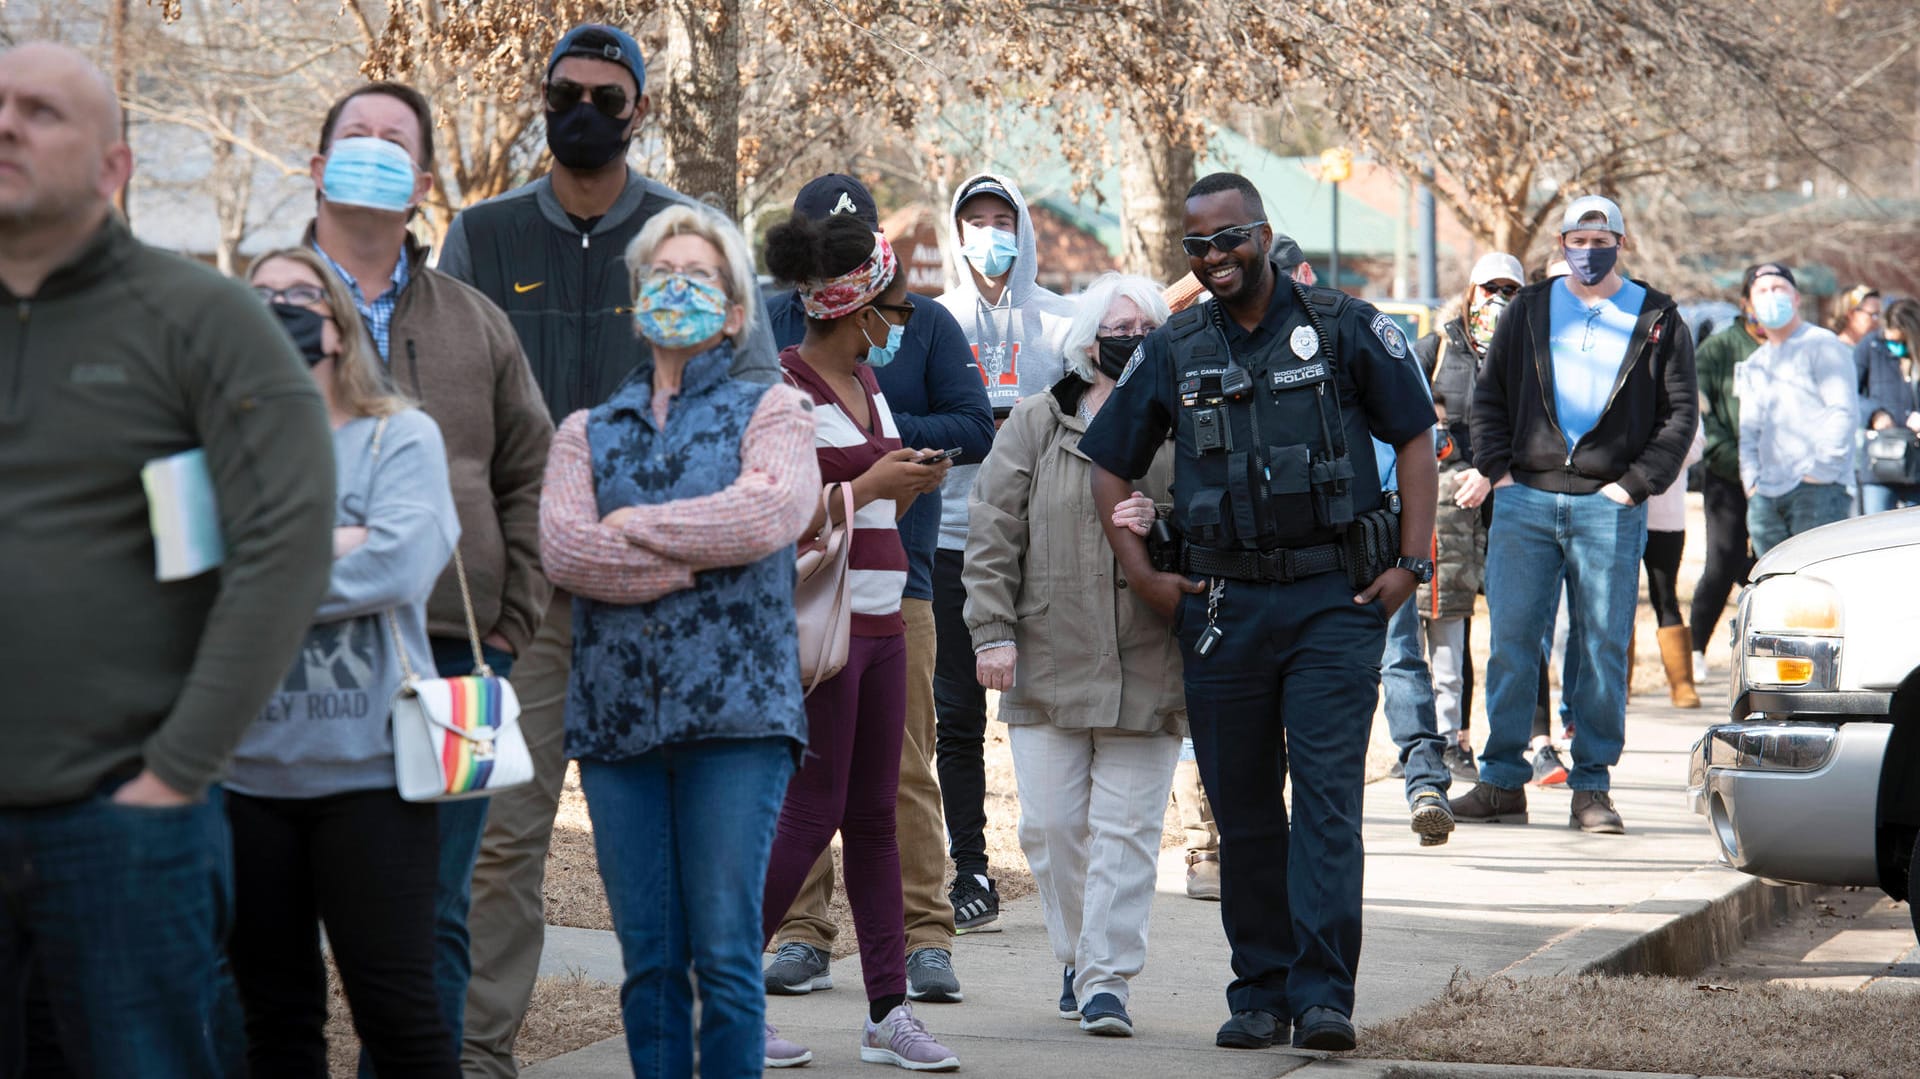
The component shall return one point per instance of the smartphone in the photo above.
(936, 458)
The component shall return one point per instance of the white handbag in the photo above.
(454, 738)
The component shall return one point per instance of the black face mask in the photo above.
(1114, 354)
(584, 138)
(304, 327)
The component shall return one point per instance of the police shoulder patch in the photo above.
(1388, 331)
(1133, 364)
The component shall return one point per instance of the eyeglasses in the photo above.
(297, 295)
(1228, 239)
(1508, 290)
(564, 94)
(904, 310)
(1129, 329)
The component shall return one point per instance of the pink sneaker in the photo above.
(902, 1041)
(782, 1053)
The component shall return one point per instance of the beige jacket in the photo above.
(1039, 573)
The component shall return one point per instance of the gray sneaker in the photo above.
(930, 976)
(797, 969)
(902, 1041)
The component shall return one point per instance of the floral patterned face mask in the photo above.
(1485, 318)
(674, 310)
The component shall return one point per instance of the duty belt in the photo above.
(1281, 564)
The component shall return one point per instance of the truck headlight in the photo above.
(1793, 631)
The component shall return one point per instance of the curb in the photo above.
(1685, 927)
(1405, 1069)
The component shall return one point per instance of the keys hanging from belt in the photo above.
(1209, 637)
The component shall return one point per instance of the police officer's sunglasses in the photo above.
(564, 94)
(1225, 240)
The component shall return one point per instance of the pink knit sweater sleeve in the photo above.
(764, 509)
(579, 553)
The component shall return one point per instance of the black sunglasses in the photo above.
(1502, 290)
(564, 94)
(1226, 240)
(904, 310)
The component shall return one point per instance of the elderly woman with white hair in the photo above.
(1089, 676)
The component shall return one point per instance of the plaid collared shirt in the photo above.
(377, 313)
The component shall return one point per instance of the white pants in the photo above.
(1447, 657)
(1091, 807)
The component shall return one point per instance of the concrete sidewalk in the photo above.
(1534, 900)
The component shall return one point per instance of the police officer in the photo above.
(1292, 562)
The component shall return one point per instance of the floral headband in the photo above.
(839, 296)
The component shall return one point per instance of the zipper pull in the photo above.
(26, 306)
(583, 241)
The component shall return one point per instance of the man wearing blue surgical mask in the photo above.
(1797, 413)
(1015, 329)
(448, 347)
(1585, 406)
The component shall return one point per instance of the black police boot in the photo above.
(1325, 1029)
(1251, 1030)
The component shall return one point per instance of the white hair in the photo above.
(1091, 310)
(712, 226)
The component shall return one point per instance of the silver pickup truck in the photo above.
(1817, 778)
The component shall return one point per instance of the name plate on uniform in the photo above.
(1296, 375)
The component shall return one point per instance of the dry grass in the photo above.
(1658, 1024)
(567, 1013)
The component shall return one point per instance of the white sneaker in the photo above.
(1699, 668)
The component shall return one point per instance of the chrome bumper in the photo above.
(1793, 800)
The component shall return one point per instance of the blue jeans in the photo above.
(1772, 519)
(683, 835)
(1408, 686)
(1879, 498)
(461, 824)
(120, 912)
(1596, 543)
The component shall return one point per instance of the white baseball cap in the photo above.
(1498, 266)
(1589, 205)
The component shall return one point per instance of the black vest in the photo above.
(1268, 466)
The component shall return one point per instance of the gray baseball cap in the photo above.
(1589, 206)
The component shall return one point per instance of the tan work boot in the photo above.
(1203, 876)
(1676, 654)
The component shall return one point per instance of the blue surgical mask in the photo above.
(1774, 310)
(1897, 349)
(677, 311)
(1591, 265)
(882, 355)
(990, 251)
(369, 172)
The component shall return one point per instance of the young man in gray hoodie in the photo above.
(1015, 329)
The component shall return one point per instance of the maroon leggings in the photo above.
(847, 783)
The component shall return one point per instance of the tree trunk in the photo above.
(700, 100)
(1154, 176)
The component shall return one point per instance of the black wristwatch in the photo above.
(1421, 568)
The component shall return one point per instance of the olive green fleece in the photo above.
(124, 355)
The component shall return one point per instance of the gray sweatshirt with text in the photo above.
(327, 731)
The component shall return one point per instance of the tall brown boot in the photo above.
(1676, 654)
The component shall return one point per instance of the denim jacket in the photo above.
(718, 659)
